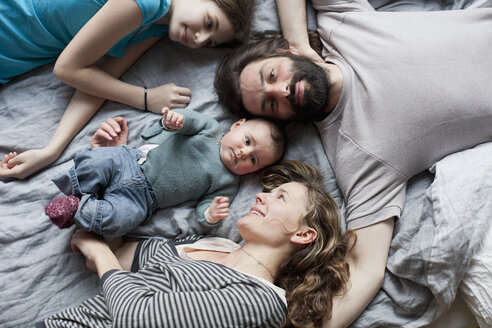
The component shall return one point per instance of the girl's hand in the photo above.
(171, 119)
(111, 133)
(167, 95)
(219, 209)
(23, 165)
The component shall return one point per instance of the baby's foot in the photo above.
(61, 211)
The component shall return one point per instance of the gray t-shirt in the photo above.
(416, 87)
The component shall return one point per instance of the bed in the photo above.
(447, 211)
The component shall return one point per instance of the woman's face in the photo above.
(199, 23)
(275, 215)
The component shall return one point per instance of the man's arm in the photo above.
(367, 260)
(292, 16)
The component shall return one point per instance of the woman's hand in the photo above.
(96, 251)
(88, 243)
(167, 95)
(111, 133)
(22, 165)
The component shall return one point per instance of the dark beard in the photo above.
(317, 87)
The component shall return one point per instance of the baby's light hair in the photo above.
(277, 134)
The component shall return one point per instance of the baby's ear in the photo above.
(238, 123)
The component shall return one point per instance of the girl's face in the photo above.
(275, 216)
(199, 23)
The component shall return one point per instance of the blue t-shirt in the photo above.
(35, 32)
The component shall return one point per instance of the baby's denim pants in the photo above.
(115, 196)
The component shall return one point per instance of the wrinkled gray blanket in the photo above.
(40, 274)
(437, 235)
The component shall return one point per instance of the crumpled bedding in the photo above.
(434, 241)
(40, 274)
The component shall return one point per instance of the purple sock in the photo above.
(61, 211)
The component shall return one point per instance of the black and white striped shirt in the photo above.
(173, 292)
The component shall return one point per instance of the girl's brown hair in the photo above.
(312, 276)
(240, 13)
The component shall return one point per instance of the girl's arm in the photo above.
(367, 261)
(75, 65)
(292, 16)
(79, 111)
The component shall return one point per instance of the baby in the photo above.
(112, 190)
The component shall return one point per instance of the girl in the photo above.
(81, 32)
(291, 239)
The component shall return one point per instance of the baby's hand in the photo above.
(171, 119)
(219, 209)
(111, 133)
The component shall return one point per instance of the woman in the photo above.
(291, 239)
(79, 33)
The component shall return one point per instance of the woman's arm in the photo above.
(91, 245)
(136, 300)
(95, 250)
(292, 15)
(367, 260)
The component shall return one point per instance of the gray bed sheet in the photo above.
(40, 274)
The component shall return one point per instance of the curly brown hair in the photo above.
(312, 276)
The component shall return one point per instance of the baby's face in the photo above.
(247, 147)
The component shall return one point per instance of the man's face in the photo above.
(284, 88)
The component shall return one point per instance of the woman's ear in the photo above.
(304, 236)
